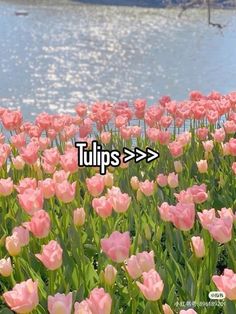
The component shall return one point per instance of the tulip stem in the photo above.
(231, 254)
(156, 307)
(51, 282)
(16, 260)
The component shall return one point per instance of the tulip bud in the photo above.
(178, 166)
(173, 180)
(198, 246)
(139, 195)
(79, 217)
(108, 179)
(18, 163)
(202, 166)
(111, 169)
(147, 232)
(140, 241)
(167, 309)
(110, 275)
(13, 245)
(5, 267)
(134, 182)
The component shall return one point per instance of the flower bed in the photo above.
(143, 238)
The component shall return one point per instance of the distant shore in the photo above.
(216, 4)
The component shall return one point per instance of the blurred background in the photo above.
(55, 54)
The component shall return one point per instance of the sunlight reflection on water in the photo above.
(59, 55)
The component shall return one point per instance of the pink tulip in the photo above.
(110, 275)
(126, 133)
(198, 246)
(208, 146)
(152, 286)
(60, 176)
(225, 149)
(81, 109)
(162, 180)
(105, 137)
(140, 104)
(18, 162)
(31, 200)
(234, 167)
(30, 153)
(226, 283)
(207, 217)
(99, 301)
(65, 191)
(69, 161)
(183, 216)
(39, 224)
(142, 262)
(212, 116)
(2, 138)
(6, 187)
(123, 165)
(176, 149)
(47, 187)
(167, 309)
(133, 267)
(199, 193)
(136, 131)
(12, 120)
(95, 185)
(164, 211)
(202, 133)
(51, 256)
(230, 127)
(102, 206)
(44, 142)
(184, 138)
(202, 166)
(117, 246)
(219, 135)
(172, 180)
(60, 303)
(25, 184)
(5, 267)
(152, 134)
(23, 298)
(221, 229)
(82, 308)
(108, 179)
(121, 121)
(51, 156)
(79, 217)
(120, 201)
(22, 234)
(184, 197)
(189, 311)
(147, 187)
(226, 213)
(13, 245)
(47, 168)
(166, 121)
(232, 146)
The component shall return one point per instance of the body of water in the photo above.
(64, 52)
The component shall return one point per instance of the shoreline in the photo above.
(152, 4)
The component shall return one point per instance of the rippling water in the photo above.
(69, 52)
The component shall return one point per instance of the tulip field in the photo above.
(143, 238)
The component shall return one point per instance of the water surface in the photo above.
(64, 52)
